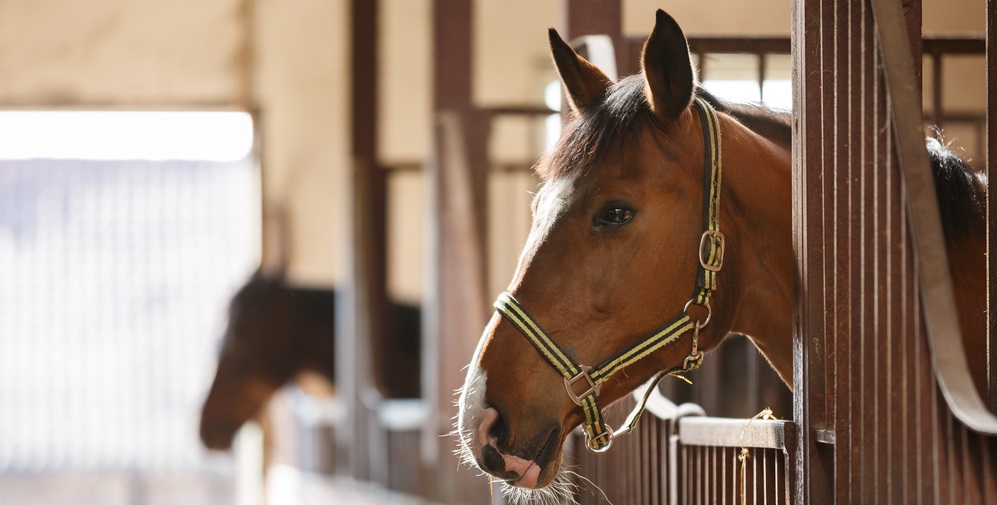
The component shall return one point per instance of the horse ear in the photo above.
(669, 80)
(583, 82)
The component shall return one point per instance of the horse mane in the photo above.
(264, 290)
(962, 190)
(775, 125)
(619, 114)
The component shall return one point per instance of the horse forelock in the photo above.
(587, 138)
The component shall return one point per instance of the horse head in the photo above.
(259, 353)
(617, 257)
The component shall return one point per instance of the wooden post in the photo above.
(362, 307)
(595, 17)
(455, 307)
(814, 456)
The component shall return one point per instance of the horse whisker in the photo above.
(590, 483)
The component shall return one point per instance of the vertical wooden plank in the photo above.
(912, 11)
(878, 248)
(849, 386)
(810, 340)
(455, 308)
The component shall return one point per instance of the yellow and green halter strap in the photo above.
(598, 434)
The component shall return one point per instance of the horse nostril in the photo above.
(499, 431)
(493, 429)
(492, 460)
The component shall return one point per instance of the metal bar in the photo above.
(761, 98)
(722, 432)
(958, 44)
(765, 481)
(519, 110)
(673, 471)
(780, 458)
(991, 157)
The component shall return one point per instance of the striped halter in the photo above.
(598, 435)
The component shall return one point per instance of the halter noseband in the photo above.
(598, 435)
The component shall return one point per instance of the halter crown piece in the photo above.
(598, 435)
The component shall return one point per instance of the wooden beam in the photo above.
(362, 307)
(595, 17)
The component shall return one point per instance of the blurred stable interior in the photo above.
(388, 157)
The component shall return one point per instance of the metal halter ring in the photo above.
(608, 435)
(709, 312)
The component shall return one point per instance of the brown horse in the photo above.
(275, 333)
(624, 227)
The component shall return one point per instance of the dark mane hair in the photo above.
(623, 112)
(775, 125)
(585, 139)
(962, 191)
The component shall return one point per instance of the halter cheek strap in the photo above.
(583, 383)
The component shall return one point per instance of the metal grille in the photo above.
(636, 469)
(677, 456)
(114, 278)
(735, 461)
(717, 475)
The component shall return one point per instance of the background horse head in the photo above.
(275, 333)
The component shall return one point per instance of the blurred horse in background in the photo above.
(275, 334)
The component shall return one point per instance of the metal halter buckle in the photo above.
(692, 361)
(718, 238)
(584, 374)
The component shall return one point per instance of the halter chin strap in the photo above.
(583, 383)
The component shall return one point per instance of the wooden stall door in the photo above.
(875, 426)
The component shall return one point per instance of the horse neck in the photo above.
(757, 220)
(316, 331)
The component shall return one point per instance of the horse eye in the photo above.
(616, 215)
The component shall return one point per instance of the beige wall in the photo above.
(301, 70)
(703, 17)
(123, 53)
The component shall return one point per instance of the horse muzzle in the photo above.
(527, 466)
